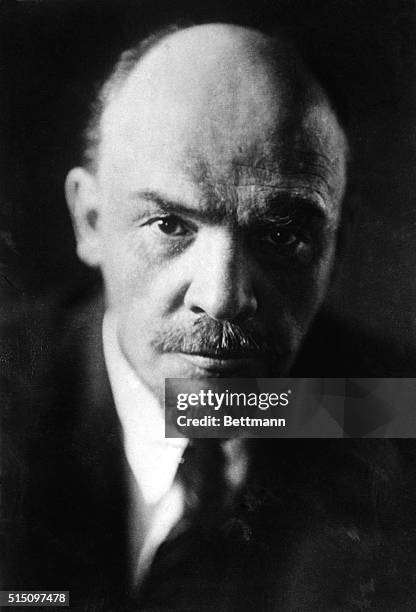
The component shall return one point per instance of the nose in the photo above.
(222, 281)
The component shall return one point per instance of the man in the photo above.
(211, 200)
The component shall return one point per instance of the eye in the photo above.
(282, 238)
(171, 226)
(287, 241)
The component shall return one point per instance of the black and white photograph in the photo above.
(198, 198)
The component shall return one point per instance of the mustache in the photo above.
(215, 338)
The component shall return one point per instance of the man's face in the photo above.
(219, 201)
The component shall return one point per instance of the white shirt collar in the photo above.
(153, 458)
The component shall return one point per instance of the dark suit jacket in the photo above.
(318, 524)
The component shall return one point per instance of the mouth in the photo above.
(220, 362)
(224, 355)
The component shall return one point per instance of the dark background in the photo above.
(54, 52)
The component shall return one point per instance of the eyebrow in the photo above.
(270, 212)
(167, 204)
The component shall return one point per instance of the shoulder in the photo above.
(346, 568)
(60, 443)
(34, 332)
(46, 348)
(42, 358)
(43, 343)
(335, 521)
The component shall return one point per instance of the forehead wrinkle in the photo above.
(245, 191)
(243, 205)
(271, 163)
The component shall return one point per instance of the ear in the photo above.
(81, 192)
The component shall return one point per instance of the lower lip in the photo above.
(214, 364)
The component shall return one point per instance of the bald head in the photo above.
(225, 82)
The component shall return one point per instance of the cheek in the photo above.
(139, 284)
(291, 298)
(127, 270)
(307, 293)
(311, 287)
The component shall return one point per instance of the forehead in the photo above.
(225, 130)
